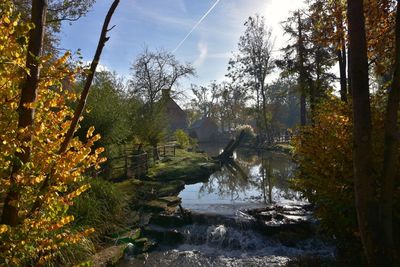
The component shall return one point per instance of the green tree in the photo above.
(151, 73)
(109, 110)
(58, 11)
(255, 61)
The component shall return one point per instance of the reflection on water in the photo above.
(220, 234)
(251, 180)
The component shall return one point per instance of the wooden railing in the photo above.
(166, 151)
(277, 138)
(134, 164)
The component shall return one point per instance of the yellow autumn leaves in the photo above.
(42, 231)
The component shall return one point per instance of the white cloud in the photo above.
(100, 67)
(203, 52)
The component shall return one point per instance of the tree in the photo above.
(58, 11)
(109, 110)
(306, 58)
(26, 113)
(374, 196)
(42, 165)
(154, 71)
(151, 73)
(255, 59)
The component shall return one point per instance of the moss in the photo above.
(186, 166)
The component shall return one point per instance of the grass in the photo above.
(117, 207)
(183, 165)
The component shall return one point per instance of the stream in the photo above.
(222, 230)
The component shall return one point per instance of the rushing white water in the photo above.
(219, 245)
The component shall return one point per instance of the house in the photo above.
(177, 118)
(204, 130)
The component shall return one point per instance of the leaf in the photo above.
(3, 228)
(90, 132)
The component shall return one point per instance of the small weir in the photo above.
(229, 220)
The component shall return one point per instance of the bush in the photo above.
(182, 138)
(248, 131)
(323, 152)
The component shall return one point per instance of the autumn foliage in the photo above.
(40, 231)
(325, 176)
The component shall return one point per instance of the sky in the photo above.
(171, 25)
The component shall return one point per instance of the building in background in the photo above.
(204, 130)
(177, 118)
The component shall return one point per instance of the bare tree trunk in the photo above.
(264, 108)
(313, 98)
(349, 73)
(342, 58)
(391, 154)
(82, 101)
(302, 76)
(26, 114)
(342, 70)
(364, 183)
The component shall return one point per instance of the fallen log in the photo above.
(227, 153)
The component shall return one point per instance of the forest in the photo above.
(91, 159)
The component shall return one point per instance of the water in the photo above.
(252, 181)
(222, 234)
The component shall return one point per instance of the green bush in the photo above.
(182, 138)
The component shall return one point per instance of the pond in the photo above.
(221, 233)
(251, 181)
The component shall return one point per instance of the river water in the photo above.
(221, 233)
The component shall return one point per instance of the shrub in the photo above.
(248, 131)
(323, 152)
(182, 138)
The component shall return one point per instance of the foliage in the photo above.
(248, 131)
(40, 233)
(254, 61)
(109, 110)
(182, 138)
(325, 176)
(324, 155)
(58, 11)
(151, 125)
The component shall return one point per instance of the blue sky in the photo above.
(164, 24)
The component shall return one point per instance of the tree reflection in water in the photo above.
(261, 177)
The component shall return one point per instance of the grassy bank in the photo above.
(117, 210)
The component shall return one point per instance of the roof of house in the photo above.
(200, 123)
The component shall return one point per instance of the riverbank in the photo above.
(154, 194)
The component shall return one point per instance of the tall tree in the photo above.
(26, 110)
(58, 11)
(154, 71)
(255, 57)
(374, 196)
(307, 59)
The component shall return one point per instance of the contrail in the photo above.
(195, 26)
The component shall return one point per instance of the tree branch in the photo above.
(82, 101)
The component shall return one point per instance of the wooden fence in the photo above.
(278, 138)
(134, 164)
(166, 151)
